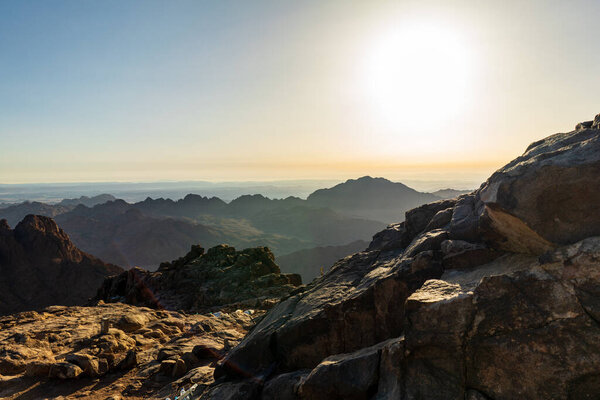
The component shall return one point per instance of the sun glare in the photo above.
(417, 74)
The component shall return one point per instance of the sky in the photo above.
(148, 90)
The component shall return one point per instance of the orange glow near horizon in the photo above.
(287, 90)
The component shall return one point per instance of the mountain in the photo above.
(315, 225)
(191, 206)
(311, 263)
(450, 193)
(87, 201)
(40, 266)
(15, 213)
(371, 198)
(145, 233)
(491, 295)
(120, 233)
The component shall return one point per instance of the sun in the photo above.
(417, 74)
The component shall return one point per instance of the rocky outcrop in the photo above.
(492, 295)
(40, 266)
(63, 352)
(218, 279)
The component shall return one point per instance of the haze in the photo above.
(272, 90)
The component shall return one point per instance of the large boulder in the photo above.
(515, 328)
(553, 190)
(352, 376)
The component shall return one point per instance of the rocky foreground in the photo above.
(60, 352)
(493, 295)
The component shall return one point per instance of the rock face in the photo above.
(550, 189)
(220, 278)
(492, 295)
(144, 353)
(39, 266)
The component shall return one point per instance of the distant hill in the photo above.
(309, 262)
(40, 266)
(450, 193)
(120, 233)
(87, 201)
(15, 213)
(372, 198)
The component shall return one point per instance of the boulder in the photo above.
(40, 369)
(515, 328)
(166, 367)
(64, 370)
(90, 365)
(393, 237)
(130, 322)
(179, 369)
(350, 376)
(284, 386)
(550, 193)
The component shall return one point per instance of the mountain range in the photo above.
(148, 232)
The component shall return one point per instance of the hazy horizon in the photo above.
(269, 90)
(53, 192)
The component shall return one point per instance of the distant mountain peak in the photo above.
(88, 201)
(368, 178)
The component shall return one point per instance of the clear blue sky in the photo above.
(216, 90)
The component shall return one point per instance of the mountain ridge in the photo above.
(145, 233)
